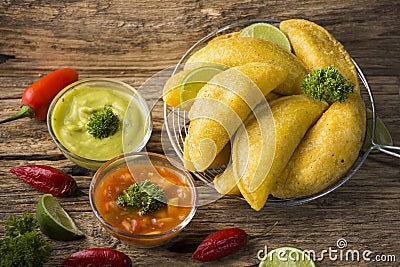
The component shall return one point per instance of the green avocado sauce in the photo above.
(71, 114)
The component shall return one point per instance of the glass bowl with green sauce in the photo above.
(94, 120)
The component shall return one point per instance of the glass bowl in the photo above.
(153, 166)
(176, 123)
(70, 110)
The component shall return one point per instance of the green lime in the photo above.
(287, 257)
(267, 32)
(195, 80)
(54, 221)
(382, 135)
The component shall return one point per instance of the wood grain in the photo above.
(134, 40)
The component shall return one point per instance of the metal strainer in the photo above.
(176, 124)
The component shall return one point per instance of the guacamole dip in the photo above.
(73, 110)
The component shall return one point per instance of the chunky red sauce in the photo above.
(176, 188)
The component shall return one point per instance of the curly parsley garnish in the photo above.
(103, 124)
(327, 84)
(144, 196)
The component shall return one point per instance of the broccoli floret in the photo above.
(327, 84)
(103, 124)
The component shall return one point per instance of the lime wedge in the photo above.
(194, 80)
(382, 134)
(54, 221)
(287, 257)
(267, 32)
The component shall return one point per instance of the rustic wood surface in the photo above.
(133, 40)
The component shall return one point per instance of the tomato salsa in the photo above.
(178, 194)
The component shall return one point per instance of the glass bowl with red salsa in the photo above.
(143, 199)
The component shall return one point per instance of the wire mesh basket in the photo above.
(176, 123)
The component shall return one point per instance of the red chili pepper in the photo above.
(37, 97)
(220, 244)
(47, 179)
(97, 257)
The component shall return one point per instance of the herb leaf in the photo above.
(132, 198)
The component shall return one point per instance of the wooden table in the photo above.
(133, 40)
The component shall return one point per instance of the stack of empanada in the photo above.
(295, 146)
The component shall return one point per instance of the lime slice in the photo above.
(287, 257)
(382, 134)
(267, 32)
(54, 220)
(194, 80)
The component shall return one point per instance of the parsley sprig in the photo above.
(103, 124)
(143, 196)
(22, 244)
(327, 84)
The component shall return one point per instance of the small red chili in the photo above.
(97, 257)
(47, 179)
(220, 244)
(37, 97)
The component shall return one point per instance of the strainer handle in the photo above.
(388, 150)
